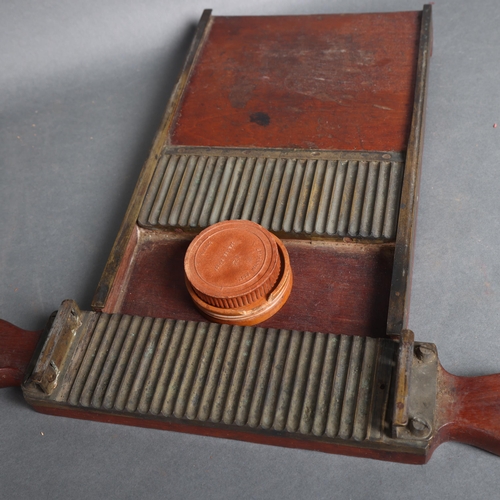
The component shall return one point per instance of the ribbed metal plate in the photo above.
(319, 197)
(304, 383)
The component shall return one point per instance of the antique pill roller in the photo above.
(310, 127)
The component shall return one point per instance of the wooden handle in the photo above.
(16, 348)
(469, 410)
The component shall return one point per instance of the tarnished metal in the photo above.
(397, 318)
(312, 386)
(422, 393)
(57, 346)
(360, 425)
(403, 376)
(311, 197)
(304, 384)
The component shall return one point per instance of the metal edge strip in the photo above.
(128, 224)
(318, 154)
(399, 299)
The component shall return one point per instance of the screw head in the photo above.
(424, 353)
(419, 427)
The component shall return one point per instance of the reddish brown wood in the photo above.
(122, 272)
(469, 410)
(16, 348)
(316, 82)
(338, 288)
(228, 433)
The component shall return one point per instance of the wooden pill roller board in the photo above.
(311, 126)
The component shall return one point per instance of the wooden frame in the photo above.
(111, 288)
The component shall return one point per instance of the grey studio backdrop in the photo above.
(83, 86)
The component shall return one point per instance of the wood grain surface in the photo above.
(312, 82)
(340, 288)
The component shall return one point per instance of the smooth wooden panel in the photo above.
(340, 288)
(325, 82)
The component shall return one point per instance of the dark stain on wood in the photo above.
(260, 118)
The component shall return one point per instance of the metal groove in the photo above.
(220, 197)
(336, 198)
(263, 190)
(190, 371)
(287, 382)
(325, 385)
(179, 368)
(144, 365)
(304, 383)
(225, 375)
(201, 192)
(107, 370)
(326, 195)
(155, 181)
(358, 197)
(303, 200)
(202, 370)
(262, 380)
(299, 386)
(88, 357)
(162, 190)
(232, 190)
(167, 367)
(242, 189)
(347, 198)
(338, 389)
(214, 372)
(365, 391)
(273, 387)
(133, 364)
(109, 329)
(250, 376)
(234, 391)
(293, 196)
(351, 388)
(121, 364)
(182, 191)
(190, 196)
(315, 196)
(155, 367)
(211, 193)
(253, 189)
(312, 389)
(173, 189)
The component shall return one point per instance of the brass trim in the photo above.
(128, 224)
(399, 300)
(306, 154)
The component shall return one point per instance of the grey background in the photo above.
(83, 86)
